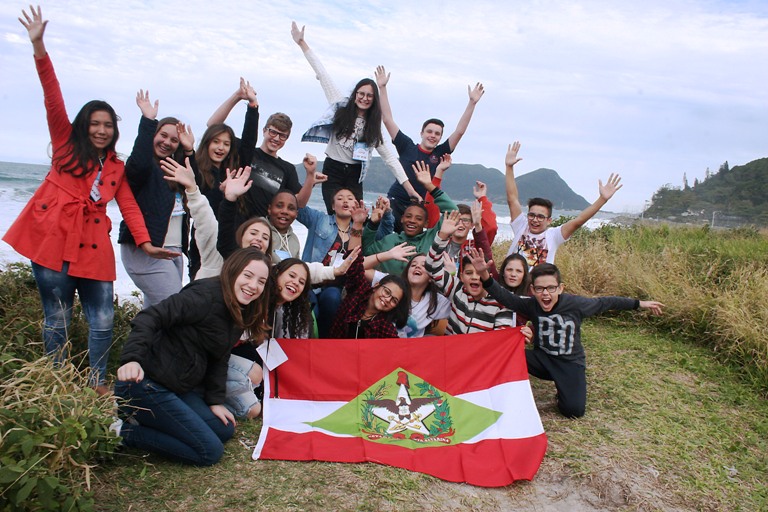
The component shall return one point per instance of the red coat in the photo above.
(61, 223)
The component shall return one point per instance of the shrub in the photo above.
(53, 427)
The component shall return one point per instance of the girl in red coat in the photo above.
(64, 229)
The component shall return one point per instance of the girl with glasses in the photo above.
(352, 130)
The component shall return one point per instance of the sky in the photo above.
(650, 90)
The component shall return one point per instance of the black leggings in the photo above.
(340, 175)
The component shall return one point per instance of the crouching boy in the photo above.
(557, 353)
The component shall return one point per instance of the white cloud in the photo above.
(651, 90)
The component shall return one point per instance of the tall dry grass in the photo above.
(714, 284)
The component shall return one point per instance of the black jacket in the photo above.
(185, 340)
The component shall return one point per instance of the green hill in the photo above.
(460, 179)
(738, 192)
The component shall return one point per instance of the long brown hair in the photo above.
(253, 318)
(80, 158)
(204, 163)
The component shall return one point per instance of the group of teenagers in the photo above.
(406, 267)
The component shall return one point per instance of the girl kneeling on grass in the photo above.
(174, 362)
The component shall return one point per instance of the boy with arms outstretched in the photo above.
(557, 353)
(533, 237)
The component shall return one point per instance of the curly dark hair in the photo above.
(297, 314)
(344, 118)
(80, 157)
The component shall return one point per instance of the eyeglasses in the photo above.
(537, 216)
(465, 221)
(366, 95)
(550, 289)
(387, 293)
(280, 135)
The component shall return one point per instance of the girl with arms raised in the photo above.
(64, 229)
(352, 129)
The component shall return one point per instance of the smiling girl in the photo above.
(371, 312)
(352, 130)
(174, 363)
(64, 229)
(161, 202)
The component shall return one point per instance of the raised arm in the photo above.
(313, 178)
(474, 96)
(332, 92)
(243, 92)
(513, 196)
(382, 78)
(606, 192)
(36, 28)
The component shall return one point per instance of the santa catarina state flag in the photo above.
(456, 407)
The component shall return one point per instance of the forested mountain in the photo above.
(460, 179)
(741, 192)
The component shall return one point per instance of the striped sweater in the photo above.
(468, 315)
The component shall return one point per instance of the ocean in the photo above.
(18, 181)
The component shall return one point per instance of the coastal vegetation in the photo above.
(740, 192)
(676, 418)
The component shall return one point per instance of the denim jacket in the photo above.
(322, 231)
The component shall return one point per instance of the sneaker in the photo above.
(116, 427)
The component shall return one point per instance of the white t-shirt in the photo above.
(418, 321)
(535, 249)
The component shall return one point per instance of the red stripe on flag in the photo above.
(489, 463)
(339, 370)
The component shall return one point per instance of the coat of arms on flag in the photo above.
(457, 407)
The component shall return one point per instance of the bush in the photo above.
(53, 427)
(713, 283)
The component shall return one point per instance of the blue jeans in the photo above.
(181, 428)
(326, 304)
(57, 293)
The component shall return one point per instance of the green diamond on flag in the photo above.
(406, 410)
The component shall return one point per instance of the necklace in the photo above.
(365, 318)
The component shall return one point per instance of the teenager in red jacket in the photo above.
(64, 229)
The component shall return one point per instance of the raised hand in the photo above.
(348, 261)
(379, 209)
(148, 110)
(480, 189)
(511, 159)
(477, 259)
(296, 34)
(477, 215)
(448, 264)
(450, 224)
(310, 164)
(610, 188)
(421, 170)
(445, 163)
(476, 93)
(238, 182)
(402, 252)
(186, 137)
(359, 213)
(178, 173)
(382, 77)
(248, 93)
(35, 25)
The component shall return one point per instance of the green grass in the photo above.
(667, 427)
